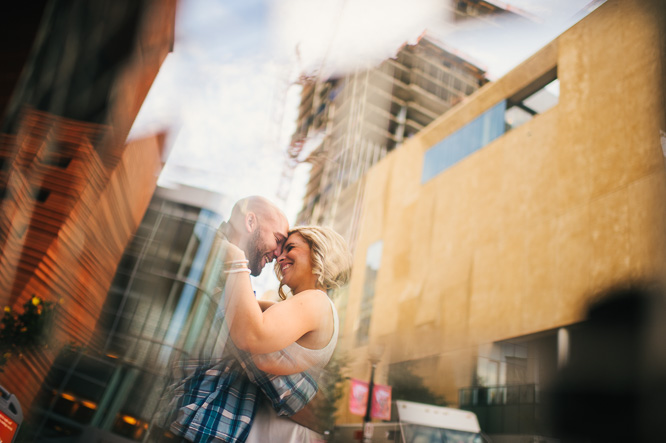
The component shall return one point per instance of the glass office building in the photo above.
(152, 317)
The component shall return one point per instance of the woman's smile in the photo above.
(295, 264)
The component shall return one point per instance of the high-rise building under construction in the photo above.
(358, 118)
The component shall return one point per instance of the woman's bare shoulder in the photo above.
(318, 293)
(314, 296)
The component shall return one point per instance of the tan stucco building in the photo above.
(481, 238)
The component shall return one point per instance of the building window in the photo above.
(508, 380)
(466, 140)
(372, 262)
(536, 98)
(521, 110)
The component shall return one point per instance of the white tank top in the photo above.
(296, 358)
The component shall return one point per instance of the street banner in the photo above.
(358, 397)
(381, 402)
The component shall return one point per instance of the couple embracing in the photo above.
(257, 380)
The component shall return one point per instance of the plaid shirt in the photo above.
(213, 402)
(218, 401)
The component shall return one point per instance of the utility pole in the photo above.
(367, 426)
(374, 355)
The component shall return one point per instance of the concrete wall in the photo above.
(516, 238)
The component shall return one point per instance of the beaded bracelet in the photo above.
(237, 271)
(235, 264)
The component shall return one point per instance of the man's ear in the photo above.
(250, 221)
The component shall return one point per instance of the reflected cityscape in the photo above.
(153, 314)
(508, 234)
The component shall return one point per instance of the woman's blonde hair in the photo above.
(329, 256)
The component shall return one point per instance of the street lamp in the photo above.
(374, 355)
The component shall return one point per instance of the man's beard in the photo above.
(255, 254)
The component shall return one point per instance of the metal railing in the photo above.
(505, 409)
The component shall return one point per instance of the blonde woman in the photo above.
(298, 333)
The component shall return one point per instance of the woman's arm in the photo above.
(274, 329)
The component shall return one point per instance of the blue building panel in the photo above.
(466, 140)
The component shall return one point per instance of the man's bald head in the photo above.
(260, 229)
(257, 204)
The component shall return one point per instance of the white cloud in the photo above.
(336, 36)
(225, 123)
